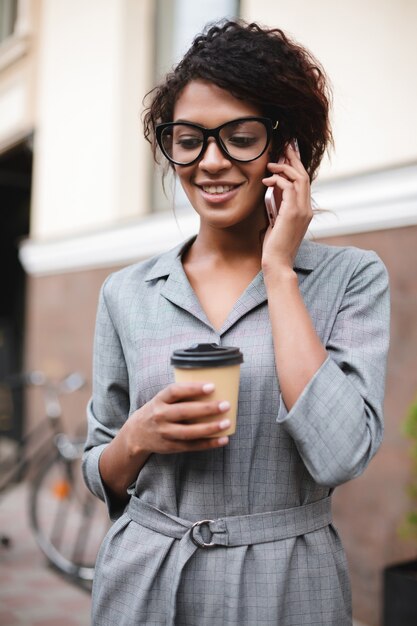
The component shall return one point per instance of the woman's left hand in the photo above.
(292, 183)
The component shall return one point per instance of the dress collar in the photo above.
(177, 288)
(306, 259)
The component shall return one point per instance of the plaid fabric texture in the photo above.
(277, 459)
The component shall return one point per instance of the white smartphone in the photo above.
(270, 200)
(271, 206)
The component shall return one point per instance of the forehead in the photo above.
(207, 104)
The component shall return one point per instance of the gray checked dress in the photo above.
(274, 556)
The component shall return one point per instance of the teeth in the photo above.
(217, 188)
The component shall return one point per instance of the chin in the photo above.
(227, 218)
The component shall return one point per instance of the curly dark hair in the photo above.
(262, 66)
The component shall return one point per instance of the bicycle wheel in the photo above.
(69, 523)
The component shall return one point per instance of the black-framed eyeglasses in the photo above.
(244, 139)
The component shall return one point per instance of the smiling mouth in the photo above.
(218, 189)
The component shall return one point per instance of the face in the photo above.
(222, 191)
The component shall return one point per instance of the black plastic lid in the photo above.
(206, 355)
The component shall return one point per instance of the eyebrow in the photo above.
(236, 120)
(182, 121)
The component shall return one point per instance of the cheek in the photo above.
(257, 176)
(178, 171)
(260, 169)
(183, 174)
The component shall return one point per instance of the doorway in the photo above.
(15, 195)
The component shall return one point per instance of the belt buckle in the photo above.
(200, 544)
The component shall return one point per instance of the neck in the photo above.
(242, 242)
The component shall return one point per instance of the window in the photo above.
(8, 17)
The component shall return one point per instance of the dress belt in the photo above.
(240, 530)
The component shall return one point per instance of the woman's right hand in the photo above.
(159, 426)
(162, 425)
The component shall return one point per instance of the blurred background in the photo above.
(80, 197)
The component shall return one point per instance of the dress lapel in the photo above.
(178, 290)
(253, 296)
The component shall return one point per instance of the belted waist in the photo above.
(240, 530)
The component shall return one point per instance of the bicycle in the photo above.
(68, 522)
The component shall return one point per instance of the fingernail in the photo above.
(224, 406)
(208, 387)
(224, 424)
(222, 441)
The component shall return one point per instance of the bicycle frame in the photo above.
(62, 511)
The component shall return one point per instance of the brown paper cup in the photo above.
(226, 381)
(210, 363)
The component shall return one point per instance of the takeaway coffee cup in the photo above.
(209, 362)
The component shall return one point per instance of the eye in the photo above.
(242, 140)
(188, 142)
(243, 136)
(186, 137)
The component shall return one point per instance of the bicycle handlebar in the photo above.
(71, 382)
(52, 388)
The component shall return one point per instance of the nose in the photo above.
(213, 158)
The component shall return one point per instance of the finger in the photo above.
(207, 444)
(191, 432)
(296, 200)
(199, 445)
(178, 392)
(300, 184)
(289, 171)
(289, 197)
(194, 410)
(294, 144)
(294, 159)
(279, 181)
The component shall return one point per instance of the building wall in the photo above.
(60, 319)
(367, 49)
(369, 510)
(18, 56)
(94, 66)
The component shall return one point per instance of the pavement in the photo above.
(31, 592)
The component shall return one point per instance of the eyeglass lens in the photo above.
(243, 140)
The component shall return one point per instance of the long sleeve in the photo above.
(337, 422)
(109, 406)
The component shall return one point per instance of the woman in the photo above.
(312, 323)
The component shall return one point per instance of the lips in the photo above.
(217, 188)
(218, 194)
